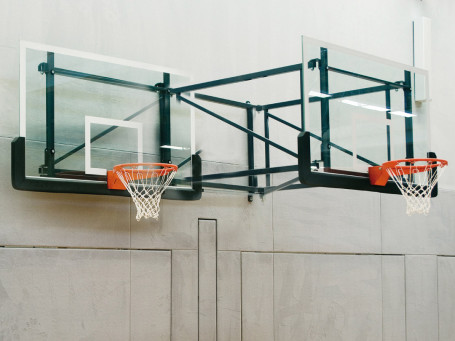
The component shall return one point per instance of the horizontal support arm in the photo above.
(237, 79)
(259, 171)
(280, 105)
(350, 93)
(105, 80)
(396, 85)
(224, 101)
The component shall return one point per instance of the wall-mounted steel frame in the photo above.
(307, 176)
(303, 165)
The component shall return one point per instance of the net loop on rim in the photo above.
(146, 183)
(416, 179)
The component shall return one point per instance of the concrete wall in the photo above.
(314, 264)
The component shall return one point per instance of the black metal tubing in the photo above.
(295, 186)
(196, 173)
(249, 189)
(408, 120)
(237, 79)
(350, 93)
(368, 78)
(220, 100)
(49, 152)
(319, 179)
(279, 105)
(165, 120)
(105, 80)
(252, 179)
(257, 190)
(302, 102)
(276, 118)
(267, 147)
(238, 174)
(44, 184)
(103, 133)
(325, 114)
(388, 117)
(235, 125)
(280, 187)
(434, 191)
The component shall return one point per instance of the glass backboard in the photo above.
(361, 110)
(81, 114)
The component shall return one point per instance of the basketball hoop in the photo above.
(145, 182)
(415, 178)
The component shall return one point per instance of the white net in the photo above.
(146, 183)
(416, 181)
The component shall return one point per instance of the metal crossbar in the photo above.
(238, 126)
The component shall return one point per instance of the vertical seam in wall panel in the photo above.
(216, 279)
(380, 223)
(131, 280)
(273, 224)
(241, 296)
(405, 299)
(273, 296)
(437, 292)
(170, 298)
(198, 275)
(216, 271)
(382, 297)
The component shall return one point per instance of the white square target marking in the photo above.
(89, 120)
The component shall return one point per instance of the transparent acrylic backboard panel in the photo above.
(362, 110)
(104, 114)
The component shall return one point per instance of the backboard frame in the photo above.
(338, 178)
(96, 181)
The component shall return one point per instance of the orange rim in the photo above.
(113, 182)
(165, 169)
(408, 169)
(379, 175)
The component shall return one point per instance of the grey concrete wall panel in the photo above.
(184, 295)
(326, 220)
(393, 298)
(151, 295)
(241, 225)
(431, 234)
(327, 297)
(51, 219)
(207, 280)
(257, 296)
(63, 294)
(421, 298)
(446, 298)
(229, 296)
(176, 228)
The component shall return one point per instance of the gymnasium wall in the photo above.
(310, 264)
